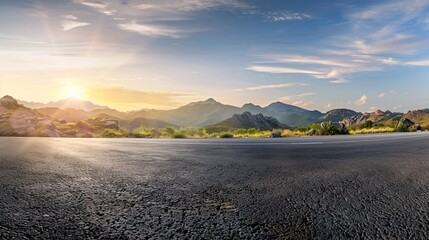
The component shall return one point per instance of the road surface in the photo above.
(366, 186)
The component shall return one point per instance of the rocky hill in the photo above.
(375, 117)
(17, 120)
(65, 104)
(338, 115)
(418, 116)
(247, 120)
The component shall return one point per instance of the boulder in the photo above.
(112, 124)
(276, 134)
(312, 132)
(418, 127)
(9, 102)
(405, 122)
(338, 127)
(355, 120)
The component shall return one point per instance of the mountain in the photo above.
(250, 107)
(247, 120)
(375, 117)
(292, 115)
(69, 114)
(210, 112)
(284, 108)
(135, 123)
(197, 114)
(338, 115)
(418, 116)
(65, 103)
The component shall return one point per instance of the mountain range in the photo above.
(247, 120)
(211, 112)
(64, 104)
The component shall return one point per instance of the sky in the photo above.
(137, 54)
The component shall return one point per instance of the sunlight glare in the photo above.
(74, 92)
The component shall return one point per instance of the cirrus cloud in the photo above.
(361, 101)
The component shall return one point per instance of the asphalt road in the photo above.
(359, 187)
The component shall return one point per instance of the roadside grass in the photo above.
(373, 130)
(199, 133)
(293, 133)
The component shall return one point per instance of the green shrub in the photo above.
(214, 135)
(368, 124)
(109, 134)
(226, 135)
(402, 128)
(328, 129)
(179, 135)
(216, 129)
(167, 131)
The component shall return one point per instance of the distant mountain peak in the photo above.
(277, 103)
(248, 120)
(66, 103)
(210, 100)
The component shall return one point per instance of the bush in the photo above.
(328, 129)
(402, 128)
(226, 135)
(83, 126)
(113, 133)
(216, 129)
(214, 135)
(368, 124)
(168, 132)
(179, 135)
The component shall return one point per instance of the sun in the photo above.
(74, 92)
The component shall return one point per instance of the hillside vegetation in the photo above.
(204, 119)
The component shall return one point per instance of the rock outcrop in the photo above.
(9, 103)
(336, 128)
(247, 120)
(337, 115)
(405, 122)
(374, 117)
(17, 120)
(355, 120)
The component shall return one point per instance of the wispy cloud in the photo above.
(296, 100)
(334, 74)
(153, 17)
(387, 41)
(361, 101)
(268, 69)
(339, 81)
(308, 60)
(292, 97)
(278, 16)
(150, 30)
(102, 7)
(198, 5)
(422, 63)
(286, 16)
(273, 86)
(70, 22)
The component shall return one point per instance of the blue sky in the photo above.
(134, 54)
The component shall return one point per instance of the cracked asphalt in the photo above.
(349, 187)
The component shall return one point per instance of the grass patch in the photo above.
(373, 130)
